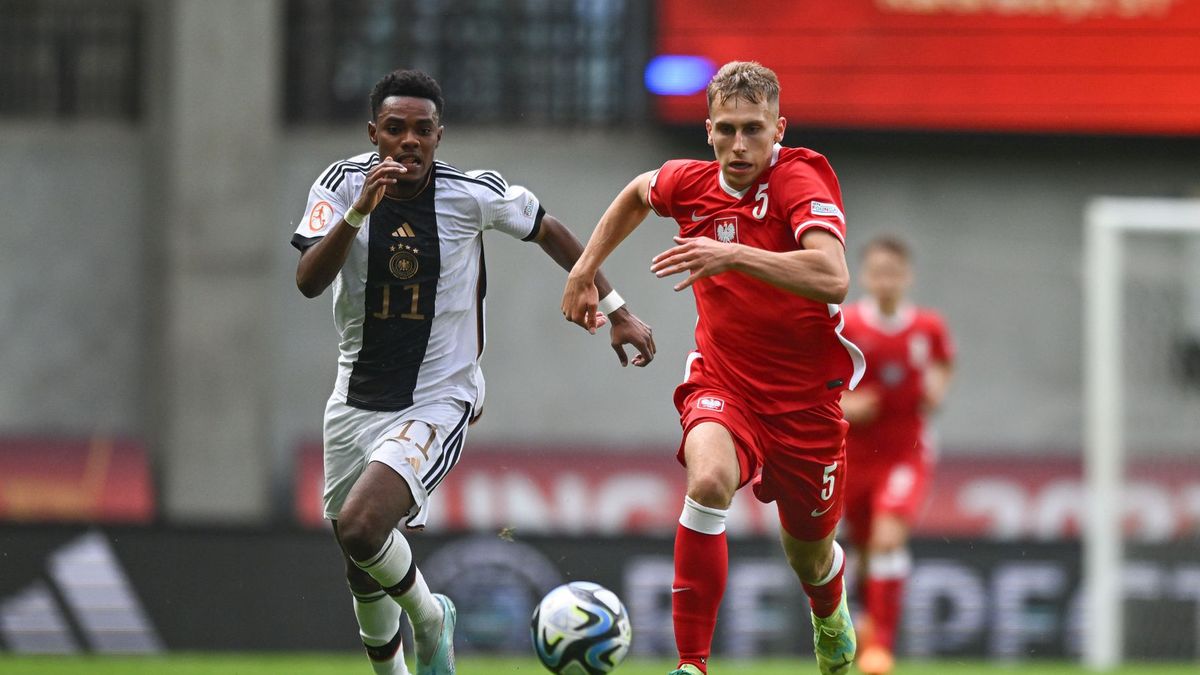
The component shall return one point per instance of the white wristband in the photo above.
(354, 219)
(611, 302)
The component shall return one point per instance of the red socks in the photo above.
(825, 595)
(701, 570)
(882, 603)
(883, 594)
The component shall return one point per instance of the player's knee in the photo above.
(809, 564)
(362, 531)
(888, 535)
(884, 544)
(360, 581)
(711, 489)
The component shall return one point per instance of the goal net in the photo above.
(1142, 430)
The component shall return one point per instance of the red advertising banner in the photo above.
(605, 492)
(87, 480)
(1084, 66)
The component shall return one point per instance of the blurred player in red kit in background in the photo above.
(911, 357)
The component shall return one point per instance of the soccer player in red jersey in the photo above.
(911, 356)
(762, 241)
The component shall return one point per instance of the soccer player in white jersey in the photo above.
(399, 236)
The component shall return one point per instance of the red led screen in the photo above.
(1059, 66)
(101, 480)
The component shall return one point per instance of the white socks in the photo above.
(839, 559)
(895, 564)
(425, 613)
(393, 568)
(379, 624)
(702, 519)
(392, 564)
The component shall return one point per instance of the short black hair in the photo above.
(890, 243)
(406, 83)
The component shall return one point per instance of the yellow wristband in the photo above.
(354, 218)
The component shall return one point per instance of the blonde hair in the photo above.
(748, 80)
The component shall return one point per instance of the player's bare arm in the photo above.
(937, 382)
(624, 214)
(565, 248)
(860, 406)
(319, 264)
(818, 272)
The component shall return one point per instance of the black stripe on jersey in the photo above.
(337, 173)
(303, 243)
(495, 179)
(439, 164)
(345, 163)
(480, 294)
(453, 441)
(400, 303)
(439, 173)
(537, 224)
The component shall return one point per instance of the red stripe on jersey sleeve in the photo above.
(833, 228)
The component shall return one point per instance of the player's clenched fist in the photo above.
(383, 174)
(579, 302)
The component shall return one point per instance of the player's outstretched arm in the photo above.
(320, 263)
(860, 406)
(624, 214)
(565, 248)
(818, 272)
(937, 382)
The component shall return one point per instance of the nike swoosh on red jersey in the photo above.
(817, 514)
(696, 219)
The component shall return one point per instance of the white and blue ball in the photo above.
(581, 628)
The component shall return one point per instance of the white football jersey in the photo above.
(409, 302)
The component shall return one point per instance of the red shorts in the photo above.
(894, 486)
(796, 459)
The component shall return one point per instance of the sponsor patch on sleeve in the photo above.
(827, 209)
(711, 403)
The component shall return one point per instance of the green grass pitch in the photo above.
(325, 664)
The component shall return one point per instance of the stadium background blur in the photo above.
(163, 381)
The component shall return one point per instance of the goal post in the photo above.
(1109, 221)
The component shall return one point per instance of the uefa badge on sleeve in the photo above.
(320, 216)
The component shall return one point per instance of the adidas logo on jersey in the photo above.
(404, 230)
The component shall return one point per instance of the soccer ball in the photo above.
(581, 628)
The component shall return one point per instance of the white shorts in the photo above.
(421, 443)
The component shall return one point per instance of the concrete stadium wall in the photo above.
(71, 274)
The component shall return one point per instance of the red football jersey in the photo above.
(779, 351)
(899, 349)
